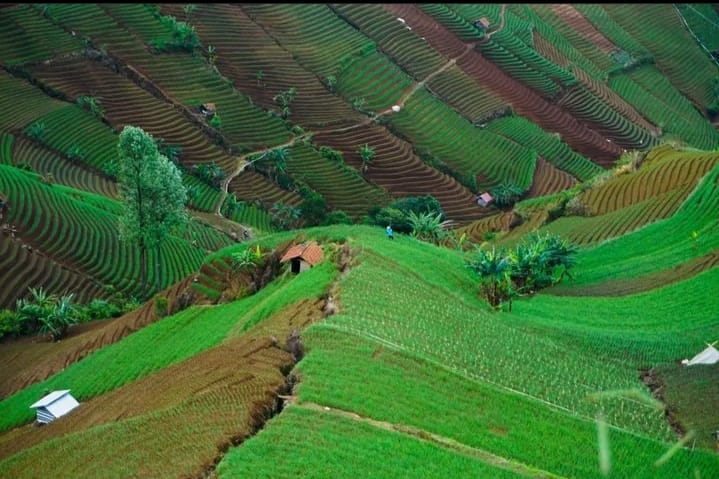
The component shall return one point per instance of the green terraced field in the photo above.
(384, 359)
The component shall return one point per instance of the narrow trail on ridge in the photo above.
(241, 160)
(436, 439)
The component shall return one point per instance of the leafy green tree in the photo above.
(216, 121)
(92, 104)
(152, 195)
(210, 173)
(30, 311)
(313, 209)
(397, 213)
(272, 162)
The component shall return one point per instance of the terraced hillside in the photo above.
(383, 359)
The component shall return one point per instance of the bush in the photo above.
(101, 309)
(92, 104)
(9, 323)
(184, 37)
(331, 154)
(216, 121)
(338, 217)
(397, 213)
(313, 209)
(37, 131)
(161, 306)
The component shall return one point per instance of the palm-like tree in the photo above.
(493, 269)
(60, 318)
(427, 227)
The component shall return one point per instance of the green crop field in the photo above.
(551, 176)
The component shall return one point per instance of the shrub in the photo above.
(331, 154)
(92, 104)
(216, 121)
(211, 173)
(37, 131)
(506, 194)
(184, 36)
(9, 323)
(161, 306)
(313, 209)
(337, 217)
(101, 309)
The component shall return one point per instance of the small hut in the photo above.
(54, 405)
(208, 109)
(303, 256)
(484, 199)
(482, 24)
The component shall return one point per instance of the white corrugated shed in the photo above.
(709, 356)
(54, 405)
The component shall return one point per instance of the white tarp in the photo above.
(709, 356)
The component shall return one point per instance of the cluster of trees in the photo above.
(49, 314)
(538, 262)
(399, 214)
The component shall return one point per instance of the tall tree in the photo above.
(152, 194)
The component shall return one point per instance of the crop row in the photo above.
(300, 28)
(166, 342)
(177, 420)
(27, 36)
(398, 170)
(22, 267)
(60, 170)
(656, 98)
(549, 180)
(22, 103)
(660, 245)
(615, 33)
(466, 95)
(452, 21)
(352, 373)
(252, 186)
(665, 170)
(402, 45)
(95, 142)
(84, 236)
(343, 188)
(702, 19)
(590, 109)
(659, 28)
(251, 215)
(466, 339)
(127, 104)
(560, 44)
(434, 127)
(549, 146)
(261, 69)
(375, 81)
(586, 230)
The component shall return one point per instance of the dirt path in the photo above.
(445, 442)
(501, 21)
(242, 163)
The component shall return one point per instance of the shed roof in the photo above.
(50, 398)
(310, 252)
(486, 197)
(483, 21)
(209, 106)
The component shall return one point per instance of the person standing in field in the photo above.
(390, 233)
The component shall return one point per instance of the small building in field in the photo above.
(54, 405)
(709, 356)
(482, 24)
(208, 109)
(484, 199)
(303, 256)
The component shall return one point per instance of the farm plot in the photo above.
(486, 350)
(550, 147)
(452, 21)
(318, 39)
(357, 375)
(22, 267)
(322, 444)
(74, 233)
(253, 187)
(651, 92)
(611, 30)
(261, 69)
(549, 180)
(586, 230)
(28, 361)
(22, 102)
(28, 36)
(343, 188)
(686, 235)
(398, 170)
(432, 126)
(660, 29)
(665, 169)
(396, 39)
(167, 424)
(127, 104)
(166, 342)
(59, 169)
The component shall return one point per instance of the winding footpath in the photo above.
(242, 162)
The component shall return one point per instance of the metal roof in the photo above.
(50, 398)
